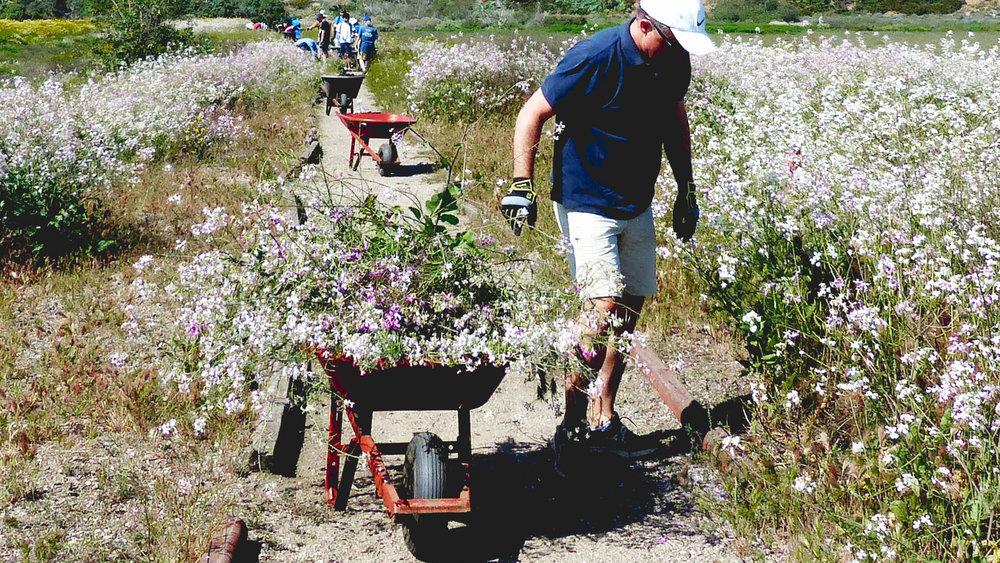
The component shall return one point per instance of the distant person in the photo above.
(294, 30)
(344, 36)
(367, 36)
(316, 23)
(309, 46)
(325, 34)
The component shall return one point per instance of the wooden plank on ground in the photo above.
(688, 411)
(225, 547)
(281, 422)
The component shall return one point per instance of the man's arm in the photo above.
(528, 131)
(677, 143)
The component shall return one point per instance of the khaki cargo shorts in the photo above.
(610, 257)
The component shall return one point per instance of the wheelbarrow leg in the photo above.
(464, 441)
(363, 421)
(333, 449)
(350, 156)
(361, 151)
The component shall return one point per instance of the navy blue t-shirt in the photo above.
(615, 106)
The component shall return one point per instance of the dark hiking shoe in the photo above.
(615, 439)
(568, 444)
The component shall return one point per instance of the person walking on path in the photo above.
(344, 37)
(367, 36)
(618, 98)
(325, 34)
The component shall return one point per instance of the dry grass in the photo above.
(58, 327)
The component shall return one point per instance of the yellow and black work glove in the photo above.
(686, 214)
(520, 205)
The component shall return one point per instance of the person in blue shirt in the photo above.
(294, 30)
(309, 46)
(618, 98)
(367, 35)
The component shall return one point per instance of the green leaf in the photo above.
(450, 219)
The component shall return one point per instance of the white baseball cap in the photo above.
(686, 19)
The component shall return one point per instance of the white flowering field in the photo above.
(66, 145)
(850, 234)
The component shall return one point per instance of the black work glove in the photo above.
(686, 214)
(520, 205)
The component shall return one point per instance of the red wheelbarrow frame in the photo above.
(372, 125)
(358, 396)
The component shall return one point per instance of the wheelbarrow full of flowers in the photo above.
(435, 485)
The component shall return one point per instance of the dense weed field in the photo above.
(152, 146)
(71, 148)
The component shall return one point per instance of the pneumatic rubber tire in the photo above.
(425, 475)
(388, 156)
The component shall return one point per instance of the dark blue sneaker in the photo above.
(615, 439)
(568, 444)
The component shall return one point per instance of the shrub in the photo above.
(475, 80)
(753, 11)
(590, 6)
(66, 149)
(911, 6)
(257, 10)
(139, 29)
(31, 9)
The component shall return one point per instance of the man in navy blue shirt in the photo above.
(618, 98)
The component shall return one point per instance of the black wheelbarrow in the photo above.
(340, 91)
(435, 488)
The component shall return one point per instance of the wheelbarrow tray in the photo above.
(335, 85)
(366, 126)
(375, 125)
(415, 388)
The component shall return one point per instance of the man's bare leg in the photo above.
(608, 364)
(609, 375)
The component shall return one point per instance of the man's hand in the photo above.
(686, 214)
(520, 205)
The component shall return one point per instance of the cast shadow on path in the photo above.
(407, 170)
(518, 495)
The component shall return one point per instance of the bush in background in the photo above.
(754, 11)
(470, 81)
(140, 29)
(257, 10)
(910, 6)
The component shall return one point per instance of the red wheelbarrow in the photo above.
(435, 488)
(366, 126)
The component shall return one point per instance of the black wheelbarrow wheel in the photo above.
(388, 157)
(425, 475)
(343, 101)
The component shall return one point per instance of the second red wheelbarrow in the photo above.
(435, 488)
(373, 125)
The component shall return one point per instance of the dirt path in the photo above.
(642, 512)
